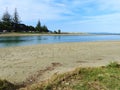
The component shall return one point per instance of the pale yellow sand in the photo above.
(40, 34)
(38, 62)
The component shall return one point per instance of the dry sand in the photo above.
(40, 34)
(30, 64)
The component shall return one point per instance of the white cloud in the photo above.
(109, 5)
(33, 9)
(53, 9)
(67, 12)
(104, 23)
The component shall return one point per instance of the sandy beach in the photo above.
(40, 34)
(30, 64)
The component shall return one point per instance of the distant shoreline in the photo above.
(40, 34)
(48, 34)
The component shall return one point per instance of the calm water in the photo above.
(31, 40)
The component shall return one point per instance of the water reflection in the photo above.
(57, 37)
(30, 40)
(11, 41)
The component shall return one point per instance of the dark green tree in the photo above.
(38, 27)
(6, 17)
(30, 28)
(55, 32)
(1, 26)
(16, 21)
(59, 31)
(16, 18)
(7, 21)
(44, 28)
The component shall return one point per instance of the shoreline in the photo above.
(48, 34)
(20, 64)
(40, 34)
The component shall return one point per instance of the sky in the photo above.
(68, 15)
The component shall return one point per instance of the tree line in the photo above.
(12, 23)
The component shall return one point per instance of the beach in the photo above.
(35, 63)
(40, 34)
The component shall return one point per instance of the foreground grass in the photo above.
(5, 85)
(101, 78)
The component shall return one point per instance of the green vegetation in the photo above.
(97, 78)
(13, 23)
(5, 85)
(100, 78)
(57, 32)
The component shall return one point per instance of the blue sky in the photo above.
(68, 15)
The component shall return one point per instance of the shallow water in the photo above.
(32, 40)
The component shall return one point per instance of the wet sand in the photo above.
(30, 64)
